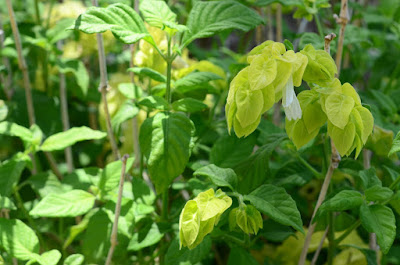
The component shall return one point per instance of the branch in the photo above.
(321, 243)
(114, 232)
(65, 116)
(372, 236)
(103, 88)
(342, 20)
(22, 64)
(335, 159)
(6, 81)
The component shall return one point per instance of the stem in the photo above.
(334, 163)
(278, 22)
(348, 231)
(321, 243)
(53, 165)
(103, 89)
(308, 166)
(164, 218)
(135, 125)
(319, 25)
(342, 20)
(259, 29)
(37, 12)
(331, 238)
(269, 19)
(169, 69)
(6, 81)
(22, 64)
(65, 116)
(372, 236)
(114, 232)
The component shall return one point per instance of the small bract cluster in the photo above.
(272, 75)
(200, 215)
(247, 217)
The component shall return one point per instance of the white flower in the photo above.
(290, 102)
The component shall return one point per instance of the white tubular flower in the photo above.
(290, 102)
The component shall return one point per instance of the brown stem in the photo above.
(367, 154)
(22, 64)
(135, 125)
(259, 29)
(321, 243)
(269, 22)
(279, 23)
(114, 232)
(53, 165)
(335, 159)
(103, 88)
(5, 80)
(343, 19)
(65, 116)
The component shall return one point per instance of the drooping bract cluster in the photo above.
(247, 217)
(272, 75)
(200, 215)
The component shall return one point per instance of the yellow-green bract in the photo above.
(247, 217)
(200, 215)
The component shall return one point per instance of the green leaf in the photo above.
(344, 200)
(148, 72)
(195, 79)
(6, 203)
(275, 232)
(120, 19)
(129, 90)
(12, 129)
(379, 219)
(127, 111)
(10, 172)
(189, 105)
(158, 14)
(378, 193)
(111, 174)
(165, 140)
(338, 108)
(60, 141)
(369, 178)
(154, 102)
(70, 204)
(240, 256)
(395, 147)
(78, 69)
(228, 151)
(288, 45)
(277, 204)
(175, 255)
(47, 258)
(17, 239)
(207, 18)
(222, 177)
(147, 236)
(74, 259)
